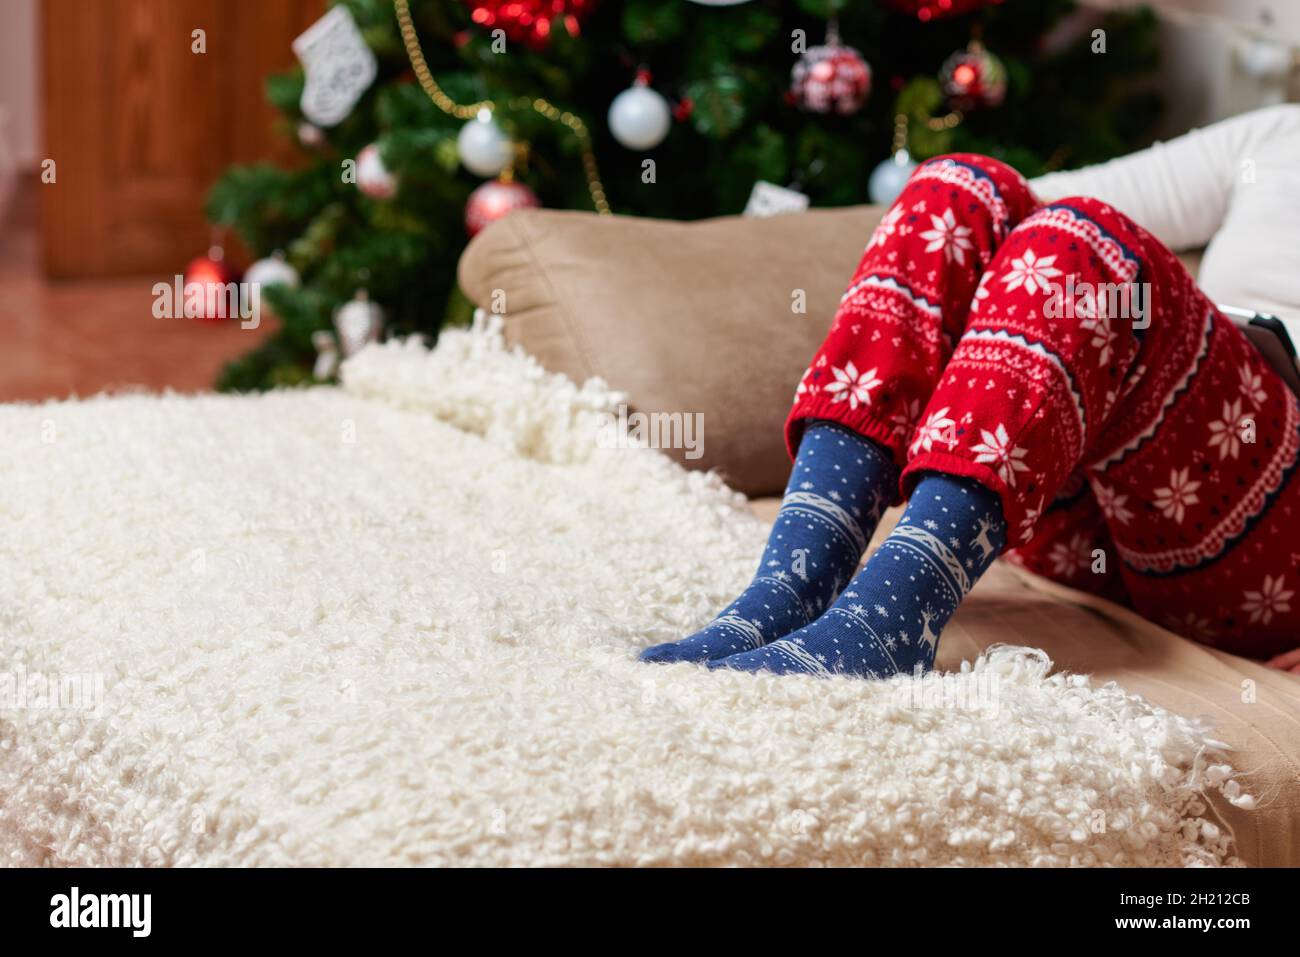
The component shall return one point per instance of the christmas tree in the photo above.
(1034, 82)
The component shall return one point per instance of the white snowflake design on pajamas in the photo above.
(1112, 504)
(1030, 271)
(1103, 334)
(1088, 309)
(1226, 434)
(1174, 499)
(851, 385)
(947, 235)
(803, 385)
(904, 418)
(938, 427)
(1027, 524)
(887, 227)
(996, 449)
(1069, 558)
(1252, 385)
(1272, 598)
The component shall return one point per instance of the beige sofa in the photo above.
(719, 317)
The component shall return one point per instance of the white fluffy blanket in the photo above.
(396, 623)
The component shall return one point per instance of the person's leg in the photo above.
(889, 618)
(1192, 447)
(893, 331)
(1032, 393)
(1196, 473)
(1072, 542)
(910, 300)
(838, 488)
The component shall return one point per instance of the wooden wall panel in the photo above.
(140, 126)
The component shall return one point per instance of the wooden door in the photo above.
(139, 125)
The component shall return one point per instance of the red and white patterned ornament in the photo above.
(531, 22)
(373, 177)
(832, 78)
(493, 200)
(973, 79)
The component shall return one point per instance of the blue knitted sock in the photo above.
(889, 618)
(840, 484)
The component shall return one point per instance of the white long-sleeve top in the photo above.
(1234, 185)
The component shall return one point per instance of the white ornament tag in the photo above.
(768, 199)
(338, 64)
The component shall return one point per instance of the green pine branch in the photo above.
(1065, 107)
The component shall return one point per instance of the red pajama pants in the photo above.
(1061, 356)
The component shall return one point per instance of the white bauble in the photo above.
(888, 179)
(272, 271)
(639, 118)
(483, 148)
(358, 322)
(373, 177)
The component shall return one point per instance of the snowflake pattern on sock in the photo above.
(889, 618)
(840, 485)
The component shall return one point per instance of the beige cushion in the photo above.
(1255, 709)
(683, 317)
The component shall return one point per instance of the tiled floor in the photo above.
(86, 336)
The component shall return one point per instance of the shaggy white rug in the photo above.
(396, 623)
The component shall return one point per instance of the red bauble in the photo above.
(830, 79)
(207, 291)
(973, 79)
(927, 10)
(493, 200)
(531, 21)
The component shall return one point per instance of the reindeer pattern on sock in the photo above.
(928, 636)
(891, 616)
(981, 539)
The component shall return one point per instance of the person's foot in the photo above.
(889, 618)
(840, 484)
